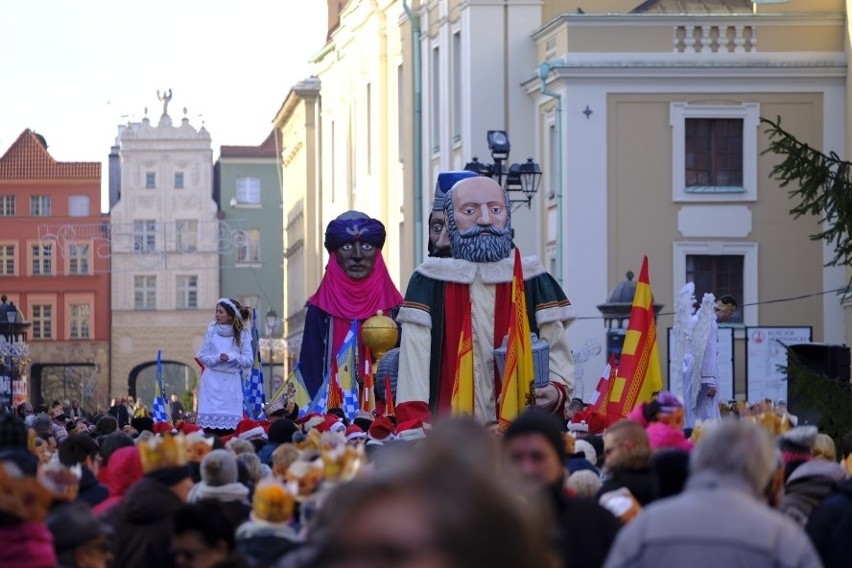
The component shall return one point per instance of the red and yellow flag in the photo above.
(462, 401)
(390, 409)
(518, 373)
(639, 375)
(368, 393)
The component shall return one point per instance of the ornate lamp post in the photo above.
(521, 181)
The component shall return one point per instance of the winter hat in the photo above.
(219, 467)
(331, 423)
(446, 181)
(797, 444)
(388, 366)
(537, 422)
(363, 423)
(354, 432)
(281, 431)
(662, 436)
(587, 450)
(410, 430)
(381, 429)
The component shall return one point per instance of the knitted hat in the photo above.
(537, 422)
(388, 366)
(797, 444)
(381, 429)
(281, 431)
(587, 450)
(446, 181)
(219, 467)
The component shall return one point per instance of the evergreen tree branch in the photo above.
(822, 183)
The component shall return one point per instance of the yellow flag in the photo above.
(462, 402)
(518, 372)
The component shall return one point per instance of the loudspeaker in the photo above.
(829, 360)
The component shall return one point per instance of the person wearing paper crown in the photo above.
(355, 286)
(477, 284)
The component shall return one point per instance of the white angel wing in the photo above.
(704, 318)
(681, 334)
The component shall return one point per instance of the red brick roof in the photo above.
(267, 149)
(28, 158)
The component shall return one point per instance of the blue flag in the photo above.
(160, 406)
(347, 371)
(253, 396)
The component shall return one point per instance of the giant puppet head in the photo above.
(439, 239)
(479, 220)
(354, 239)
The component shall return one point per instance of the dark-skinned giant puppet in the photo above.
(356, 284)
(477, 284)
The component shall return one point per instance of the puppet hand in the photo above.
(546, 398)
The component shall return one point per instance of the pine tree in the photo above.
(823, 185)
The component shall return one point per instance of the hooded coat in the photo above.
(125, 469)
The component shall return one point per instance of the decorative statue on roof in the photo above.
(166, 97)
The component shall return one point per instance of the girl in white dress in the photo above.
(226, 354)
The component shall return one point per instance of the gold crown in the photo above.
(23, 497)
(272, 502)
(161, 452)
(198, 446)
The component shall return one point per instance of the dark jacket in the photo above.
(142, 525)
(586, 530)
(262, 543)
(91, 490)
(830, 527)
(641, 483)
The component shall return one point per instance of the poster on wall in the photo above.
(725, 359)
(765, 353)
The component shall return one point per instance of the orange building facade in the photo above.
(55, 267)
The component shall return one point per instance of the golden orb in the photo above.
(379, 334)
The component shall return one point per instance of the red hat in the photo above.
(162, 427)
(411, 430)
(189, 427)
(354, 432)
(306, 417)
(381, 429)
(330, 424)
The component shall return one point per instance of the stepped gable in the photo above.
(720, 7)
(28, 158)
(267, 149)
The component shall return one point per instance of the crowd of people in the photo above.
(322, 490)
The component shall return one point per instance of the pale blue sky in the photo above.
(74, 71)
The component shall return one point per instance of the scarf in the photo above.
(224, 330)
(345, 298)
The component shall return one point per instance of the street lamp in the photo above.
(271, 322)
(521, 180)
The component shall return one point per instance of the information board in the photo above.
(765, 353)
(725, 359)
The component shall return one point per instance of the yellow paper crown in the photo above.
(23, 497)
(272, 502)
(162, 452)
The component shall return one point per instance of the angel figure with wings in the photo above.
(696, 335)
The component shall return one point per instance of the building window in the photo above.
(714, 152)
(186, 231)
(248, 246)
(78, 258)
(178, 180)
(40, 206)
(187, 292)
(7, 205)
(42, 320)
(248, 190)
(42, 259)
(144, 292)
(78, 205)
(720, 268)
(144, 236)
(457, 87)
(79, 321)
(7, 260)
(435, 108)
(150, 180)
